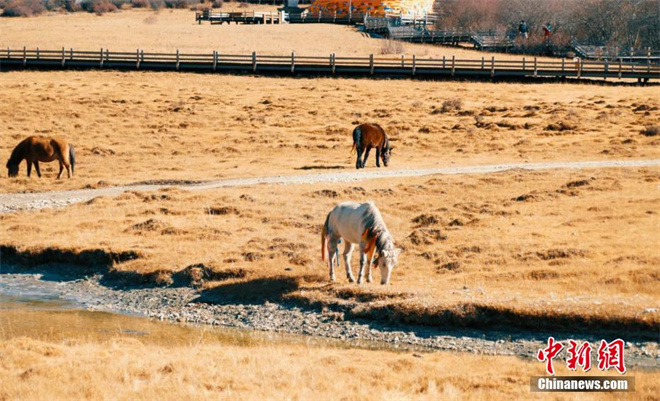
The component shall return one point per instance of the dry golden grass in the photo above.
(536, 243)
(130, 127)
(126, 368)
(169, 30)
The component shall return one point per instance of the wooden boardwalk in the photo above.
(264, 17)
(331, 65)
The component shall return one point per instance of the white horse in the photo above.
(362, 224)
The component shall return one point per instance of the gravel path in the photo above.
(177, 304)
(40, 200)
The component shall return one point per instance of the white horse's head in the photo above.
(387, 260)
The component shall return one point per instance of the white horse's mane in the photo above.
(373, 221)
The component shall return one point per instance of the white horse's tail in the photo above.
(324, 240)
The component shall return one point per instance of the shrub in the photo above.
(391, 47)
(180, 3)
(451, 104)
(141, 3)
(156, 4)
(98, 7)
(651, 130)
(23, 8)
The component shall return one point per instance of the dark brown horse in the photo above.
(36, 149)
(367, 136)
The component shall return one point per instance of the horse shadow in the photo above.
(251, 292)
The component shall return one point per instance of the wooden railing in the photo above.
(328, 65)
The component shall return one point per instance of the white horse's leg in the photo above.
(348, 251)
(369, 277)
(332, 249)
(363, 262)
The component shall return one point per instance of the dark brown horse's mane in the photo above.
(18, 154)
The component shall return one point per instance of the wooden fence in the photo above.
(328, 65)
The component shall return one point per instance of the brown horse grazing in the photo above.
(35, 149)
(367, 136)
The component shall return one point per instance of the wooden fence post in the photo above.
(63, 57)
(523, 61)
(107, 55)
(443, 62)
(293, 61)
(38, 55)
(178, 59)
(215, 60)
(101, 59)
(137, 59)
(536, 71)
(371, 64)
(580, 64)
(254, 61)
(8, 52)
(414, 66)
(453, 65)
(71, 53)
(483, 59)
(403, 61)
(24, 56)
(563, 65)
(620, 67)
(606, 65)
(492, 67)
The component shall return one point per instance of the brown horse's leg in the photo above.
(68, 169)
(377, 157)
(36, 167)
(29, 167)
(358, 163)
(59, 175)
(366, 155)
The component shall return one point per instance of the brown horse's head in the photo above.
(12, 168)
(386, 153)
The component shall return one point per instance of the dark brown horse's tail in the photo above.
(72, 157)
(357, 138)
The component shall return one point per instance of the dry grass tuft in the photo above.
(390, 46)
(651, 130)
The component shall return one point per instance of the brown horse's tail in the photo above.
(72, 157)
(357, 138)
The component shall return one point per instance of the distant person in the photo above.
(577, 62)
(523, 29)
(547, 31)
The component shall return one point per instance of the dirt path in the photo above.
(40, 200)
